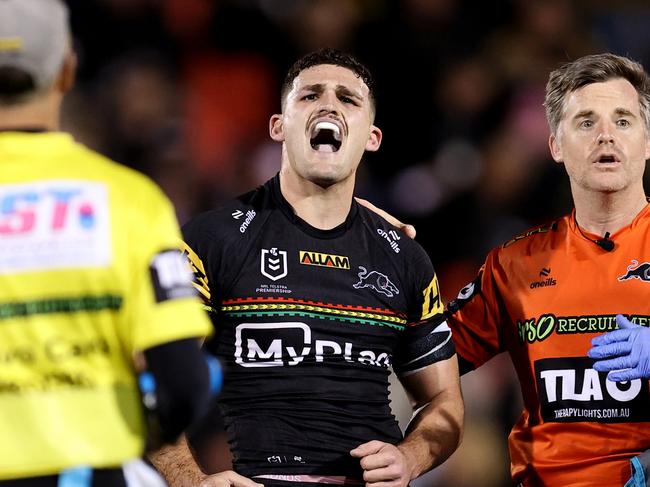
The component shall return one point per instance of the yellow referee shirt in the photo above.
(89, 275)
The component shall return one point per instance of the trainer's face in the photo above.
(326, 124)
(601, 138)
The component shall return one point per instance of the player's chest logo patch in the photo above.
(54, 224)
(570, 391)
(273, 263)
(377, 281)
(324, 260)
(637, 271)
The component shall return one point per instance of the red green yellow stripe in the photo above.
(258, 307)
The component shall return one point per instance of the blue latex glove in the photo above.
(216, 374)
(638, 477)
(640, 466)
(627, 351)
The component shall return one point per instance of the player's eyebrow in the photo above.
(316, 87)
(590, 113)
(583, 114)
(624, 112)
(340, 90)
(344, 90)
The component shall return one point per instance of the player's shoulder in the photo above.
(393, 240)
(540, 238)
(234, 219)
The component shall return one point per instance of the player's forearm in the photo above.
(434, 433)
(176, 463)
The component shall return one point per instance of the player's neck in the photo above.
(41, 112)
(322, 208)
(599, 213)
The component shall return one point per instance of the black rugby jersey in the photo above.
(307, 324)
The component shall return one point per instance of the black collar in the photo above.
(289, 212)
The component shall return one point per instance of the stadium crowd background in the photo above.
(182, 90)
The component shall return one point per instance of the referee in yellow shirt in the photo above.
(89, 279)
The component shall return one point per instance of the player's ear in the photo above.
(276, 128)
(554, 146)
(67, 75)
(374, 139)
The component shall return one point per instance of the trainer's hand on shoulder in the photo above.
(409, 230)
(228, 478)
(624, 353)
(384, 465)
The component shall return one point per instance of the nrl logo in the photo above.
(274, 263)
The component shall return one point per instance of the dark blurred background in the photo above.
(182, 90)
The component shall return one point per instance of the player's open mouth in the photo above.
(325, 137)
(607, 159)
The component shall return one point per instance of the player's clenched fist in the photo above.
(228, 479)
(384, 465)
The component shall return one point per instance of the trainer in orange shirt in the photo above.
(544, 295)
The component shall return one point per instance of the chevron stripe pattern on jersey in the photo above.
(260, 307)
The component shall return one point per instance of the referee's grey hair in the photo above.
(595, 68)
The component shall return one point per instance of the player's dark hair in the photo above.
(328, 55)
(15, 85)
(596, 68)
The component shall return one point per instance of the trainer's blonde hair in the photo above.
(595, 68)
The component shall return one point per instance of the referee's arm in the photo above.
(182, 386)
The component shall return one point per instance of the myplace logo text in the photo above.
(290, 343)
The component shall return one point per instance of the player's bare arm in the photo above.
(177, 465)
(432, 436)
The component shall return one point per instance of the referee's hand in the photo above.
(228, 478)
(384, 465)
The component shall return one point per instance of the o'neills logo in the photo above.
(250, 214)
(546, 280)
(324, 260)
